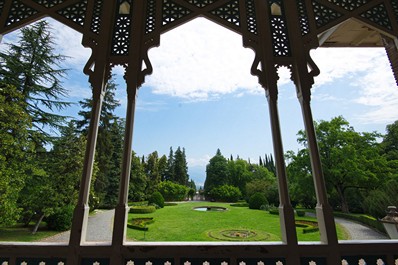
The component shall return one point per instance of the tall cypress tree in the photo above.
(180, 167)
(170, 166)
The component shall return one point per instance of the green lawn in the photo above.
(182, 223)
(19, 233)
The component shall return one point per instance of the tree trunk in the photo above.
(38, 224)
(344, 205)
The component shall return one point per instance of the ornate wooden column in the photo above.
(134, 78)
(268, 78)
(98, 70)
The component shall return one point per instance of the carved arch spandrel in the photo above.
(318, 16)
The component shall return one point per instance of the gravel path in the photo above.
(358, 231)
(99, 228)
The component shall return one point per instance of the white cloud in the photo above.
(69, 44)
(150, 105)
(199, 161)
(366, 69)
(344, 63)
(201, 60)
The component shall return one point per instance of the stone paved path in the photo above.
(99, 228)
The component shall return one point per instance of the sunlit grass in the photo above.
(182, 223)
(20, 233)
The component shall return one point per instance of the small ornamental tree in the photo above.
(257, 200)
(157, 199)
(226, 193)
(172, 191)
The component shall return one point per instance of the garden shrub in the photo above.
(140, 223)
(300, 213)
(257, 200)
(310, 229)
(364, 219)
(156, 199)
(172, 191)
(274, 211)
(240, 204)
(61, 219)
(142, 209)
(170, 204)
(140, 203)
(226, 193)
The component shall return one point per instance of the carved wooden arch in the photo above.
(277, 30)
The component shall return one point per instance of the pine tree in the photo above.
(109, 146)
(33, 67)
(138, 180)
(152, 172)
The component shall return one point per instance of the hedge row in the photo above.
(142, 209)
(310, 229)
(140, 223)
(364, 219)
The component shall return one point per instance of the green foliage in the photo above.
(389, 144)
(142, 209)
(350, 160)
(172, 191)
(274, 211)
(378, 200)
(226, 193)
(310, 230)
(170, 204)
(65, 164)
(260, 185)
(33, 68)
(216, 172)
(14, 124)
(61, 218)
(240, 204)
(257, 200)
(180, 167)
(138, 180)
(156, 199)
(109, 146)
(362, 218)
(140, 223)
(300, 213)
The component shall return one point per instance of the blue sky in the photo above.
(201, 95)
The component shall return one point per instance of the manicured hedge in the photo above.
(364, 219)
(170, 204)
(156, 199)
(142, 209)
(310, 230)
(140, 223)
(240, 204)
(274, 211)
(257, 200)
(300, 213)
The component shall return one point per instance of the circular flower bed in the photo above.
(239, 235)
